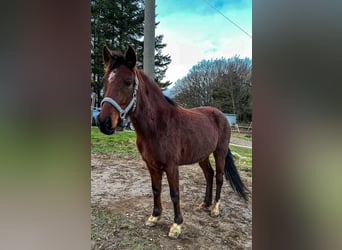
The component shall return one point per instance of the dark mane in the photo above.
(155, 88)
(170, 101)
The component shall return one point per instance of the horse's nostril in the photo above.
(105, 124)
(108, 123)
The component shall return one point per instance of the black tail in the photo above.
(233, 177)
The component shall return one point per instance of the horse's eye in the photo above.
(128, 82)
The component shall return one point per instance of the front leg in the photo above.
(156, 178)
(173, 180)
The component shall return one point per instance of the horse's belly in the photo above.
(190, 146)
(196, 151)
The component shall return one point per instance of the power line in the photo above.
(231, 21)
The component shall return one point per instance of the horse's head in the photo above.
(120, 88)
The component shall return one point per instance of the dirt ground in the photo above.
(123, 186)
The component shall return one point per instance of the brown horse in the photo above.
(167, 134)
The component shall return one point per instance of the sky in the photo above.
(194, 31)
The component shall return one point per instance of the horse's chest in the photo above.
(154, 152)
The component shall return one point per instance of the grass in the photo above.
(241, 136)
(123, 143)
(243, 163)
(242, 158)
(108, 227)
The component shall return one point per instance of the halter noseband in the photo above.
(132, 105)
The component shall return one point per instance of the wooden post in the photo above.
(149, 37)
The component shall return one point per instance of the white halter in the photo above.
(132, 105)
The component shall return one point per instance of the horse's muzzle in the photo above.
(105, 125)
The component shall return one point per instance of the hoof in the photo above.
(215, 210)
(152, 221)
(175, 231)
(203, 205)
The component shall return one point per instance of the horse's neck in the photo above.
(150, 103)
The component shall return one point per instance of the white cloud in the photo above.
(191, 38)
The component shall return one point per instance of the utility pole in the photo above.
(149, 37)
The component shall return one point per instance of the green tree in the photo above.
(118, 23)
(115, 23)
(222, 83)
(161, 62)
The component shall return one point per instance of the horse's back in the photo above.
(216, 117)
(204, 129)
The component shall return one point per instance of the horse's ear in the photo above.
(106, 55)
(130, 57)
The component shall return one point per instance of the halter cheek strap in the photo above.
(132, 104)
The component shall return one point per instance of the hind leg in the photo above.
(219, 156)
(209, 176)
